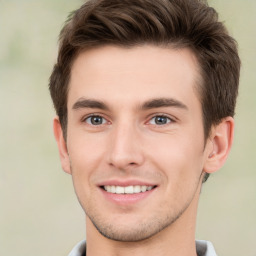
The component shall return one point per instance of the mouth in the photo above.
(137, 189)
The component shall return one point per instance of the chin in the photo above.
(132, 232)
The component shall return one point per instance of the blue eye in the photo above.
(160, 120)
(95, 120)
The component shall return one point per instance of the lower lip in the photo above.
(124, 199)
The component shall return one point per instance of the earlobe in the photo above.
(63, 152)
(221, 140)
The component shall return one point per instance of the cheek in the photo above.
(84, 148)
(178, 156)
(86, 156)
(181, 165)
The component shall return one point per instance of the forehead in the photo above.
(134, 74)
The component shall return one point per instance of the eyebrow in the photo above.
(150, 104)
(163, 102)
(89, 103)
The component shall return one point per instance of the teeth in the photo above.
(127, 190)
(144, 188)
(136, 189)
(113, 189)
(119, 190)
(107, 188)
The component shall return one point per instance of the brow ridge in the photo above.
(89, 103)
(150, 104)
(163, 102)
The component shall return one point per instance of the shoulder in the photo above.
(79, 249)
(205, 248)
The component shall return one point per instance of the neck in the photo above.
(178, 239)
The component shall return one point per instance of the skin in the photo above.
(129, 91)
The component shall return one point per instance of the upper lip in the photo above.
(125, 183)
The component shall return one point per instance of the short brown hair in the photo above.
(175, 23)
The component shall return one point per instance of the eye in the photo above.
(95, 120)
(160, 120)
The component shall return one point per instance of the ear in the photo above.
(63, 152)
(219, 145)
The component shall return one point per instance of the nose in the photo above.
(125, 147)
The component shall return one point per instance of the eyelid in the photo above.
(172, 119)
(85, 117)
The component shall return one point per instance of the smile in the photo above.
(128, 189)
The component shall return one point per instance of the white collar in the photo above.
(203, 248)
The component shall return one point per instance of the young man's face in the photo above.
(135, 124)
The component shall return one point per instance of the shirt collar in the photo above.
(203, 248)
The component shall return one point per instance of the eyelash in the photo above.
(105, 121)
(170, 120)
(94, 115)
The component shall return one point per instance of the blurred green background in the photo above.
(39, 213)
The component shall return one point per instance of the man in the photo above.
(145, 92)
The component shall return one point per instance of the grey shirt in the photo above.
(203, 248)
